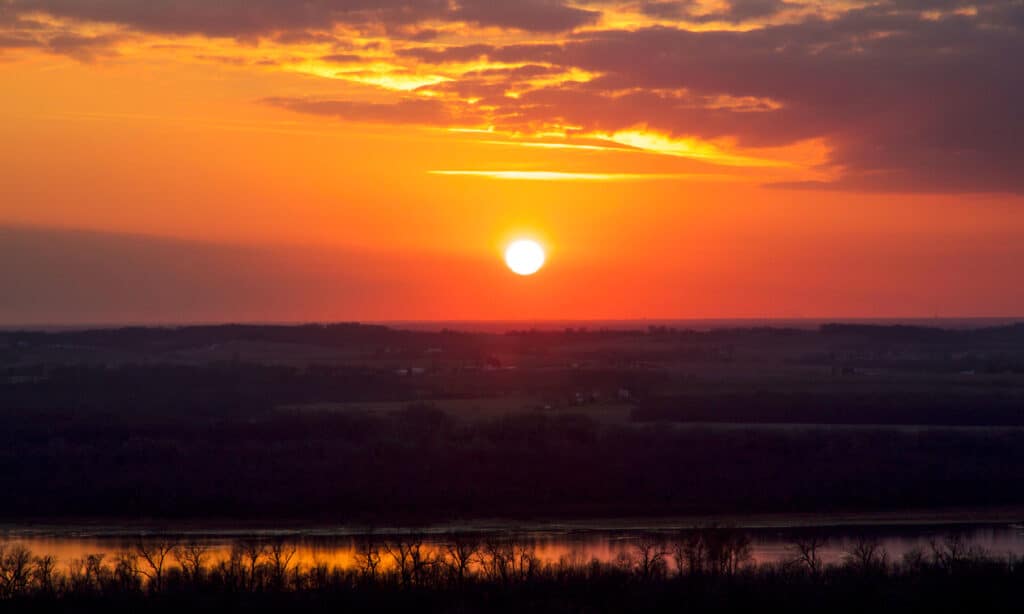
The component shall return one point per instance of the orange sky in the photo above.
(370, 160)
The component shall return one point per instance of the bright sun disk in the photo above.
(524, 257)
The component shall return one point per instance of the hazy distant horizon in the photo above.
(499, 326)
(60, 277)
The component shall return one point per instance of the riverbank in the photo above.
(113, 527)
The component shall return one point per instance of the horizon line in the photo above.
(895, 320)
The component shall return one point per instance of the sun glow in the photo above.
(524, 257)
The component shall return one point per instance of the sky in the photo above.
(269, 160)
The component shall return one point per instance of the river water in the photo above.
(577, 546)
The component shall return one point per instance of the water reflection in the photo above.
(547, 547)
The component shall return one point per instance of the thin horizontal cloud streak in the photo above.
(234, 18)
(540, 175)
(18, 42)
(530, 15)
(735, 11)
(536, 52)
(248, 18)
(84, 48)
(409, 111)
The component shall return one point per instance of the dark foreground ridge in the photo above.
(365, 424)
(708, 570)
(418, 465)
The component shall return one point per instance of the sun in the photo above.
(524, 257)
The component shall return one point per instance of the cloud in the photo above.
(17, 41)
(906, 100)
(735, 11)
(342, 58)
(742, 10)
(249, 18)
(908, 94)
(233, 18)
(540, 52)
(408, 111)
(84, 48)
(530, 15)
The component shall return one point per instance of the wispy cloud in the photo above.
(575, 176)
(688, 148)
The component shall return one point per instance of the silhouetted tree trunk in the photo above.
(280, 555)
(367, 557)
(462, 553)
(43, 573)
(14, 569)
(805, 550)
(252, 551)
(154, 554)
(650, 558)
(867, 556)
(192, 558)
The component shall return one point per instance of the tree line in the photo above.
(706, 568)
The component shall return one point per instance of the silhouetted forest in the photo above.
(419, 464)
(706, 570)
(352, 423)
(934, 403)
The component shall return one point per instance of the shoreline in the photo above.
(114, 528)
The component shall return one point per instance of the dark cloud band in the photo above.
(908, 94)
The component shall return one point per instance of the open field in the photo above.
(482, 408)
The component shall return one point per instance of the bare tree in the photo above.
(497, 560)
(87, 574)
(738, 553)
(690, 553)
(952, 553)
(367, 557)
(411, 559)
(914, 560)
(462, 552)
(866, 555)
(154, 552)
(95, 569)
(43, 573)
(805, 553)
(507, 560)
(713, 549)
(280, 555)
(252, 552)
(14, 569)
(232, 569)
(528, 563)
(424, 563)
(192, 558)
(649, 559)
(318, 574)
(126, 571)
